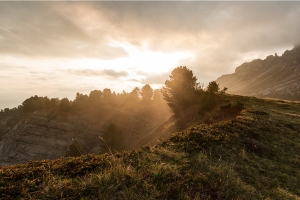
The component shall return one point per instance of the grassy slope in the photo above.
(253, 156)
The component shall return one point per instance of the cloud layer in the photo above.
(68, 29)
(218, 35)
(106, 72)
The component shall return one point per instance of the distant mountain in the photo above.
(276, 77)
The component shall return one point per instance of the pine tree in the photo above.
(180, 90)
(146, 93)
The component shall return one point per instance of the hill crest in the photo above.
(254, 155)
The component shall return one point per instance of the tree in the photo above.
(113, 139)
(213, 87)
(134, 95)
(95, 97)
(146, 93)
(64, 104)
(158, 97)
(80, 102)
(109, 97)
(180, 90)
(54, 102)
(74, 149)
(34, 103)
(6, 111)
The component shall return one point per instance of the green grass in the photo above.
(255, 155)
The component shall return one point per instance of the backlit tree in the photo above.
(180, 90)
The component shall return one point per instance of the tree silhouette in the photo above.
(80, 102)
(34, 103)
(146, 93)
(213, 87)
(113, 139)
(54, 102)
(180, 90)
(134, 95)
(64, 104)
(95, 97)
(158, 97)
(109, 97)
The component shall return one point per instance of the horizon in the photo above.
(57, 49)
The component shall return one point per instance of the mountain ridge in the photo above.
(275, 77)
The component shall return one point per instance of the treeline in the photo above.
(11, 116)
(180, 92)
(95, 98)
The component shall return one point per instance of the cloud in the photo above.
(114, 73)
(106, 72)
(86, 29)
(4, 66)
(221, 35)
(41, 29)
(155, 78)
(171, 25)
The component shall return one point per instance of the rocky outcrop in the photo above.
(276, 76)
(47, 134)
(36, 137)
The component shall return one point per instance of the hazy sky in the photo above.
(56, 49)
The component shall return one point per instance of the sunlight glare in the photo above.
(149, 61)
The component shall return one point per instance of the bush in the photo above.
(207, 102)
(74, 149)
(223, 90)
(238, 104)
(113, 140)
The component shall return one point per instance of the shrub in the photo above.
(207, 102)
(74, 149)
(238, 104)
(113, 139)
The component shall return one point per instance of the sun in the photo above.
(138, 61)
(149, 61)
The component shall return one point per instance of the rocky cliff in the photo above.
(47, 133)
(275, 76)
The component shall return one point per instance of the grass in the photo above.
(255, 155)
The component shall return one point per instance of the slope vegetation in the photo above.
(255, 154)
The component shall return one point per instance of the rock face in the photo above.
(275, 76)
(37, 137)
(47, 134)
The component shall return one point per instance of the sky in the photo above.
(57, 49)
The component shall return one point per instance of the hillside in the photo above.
(275, 76)
(250, 154)
(47, 133)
